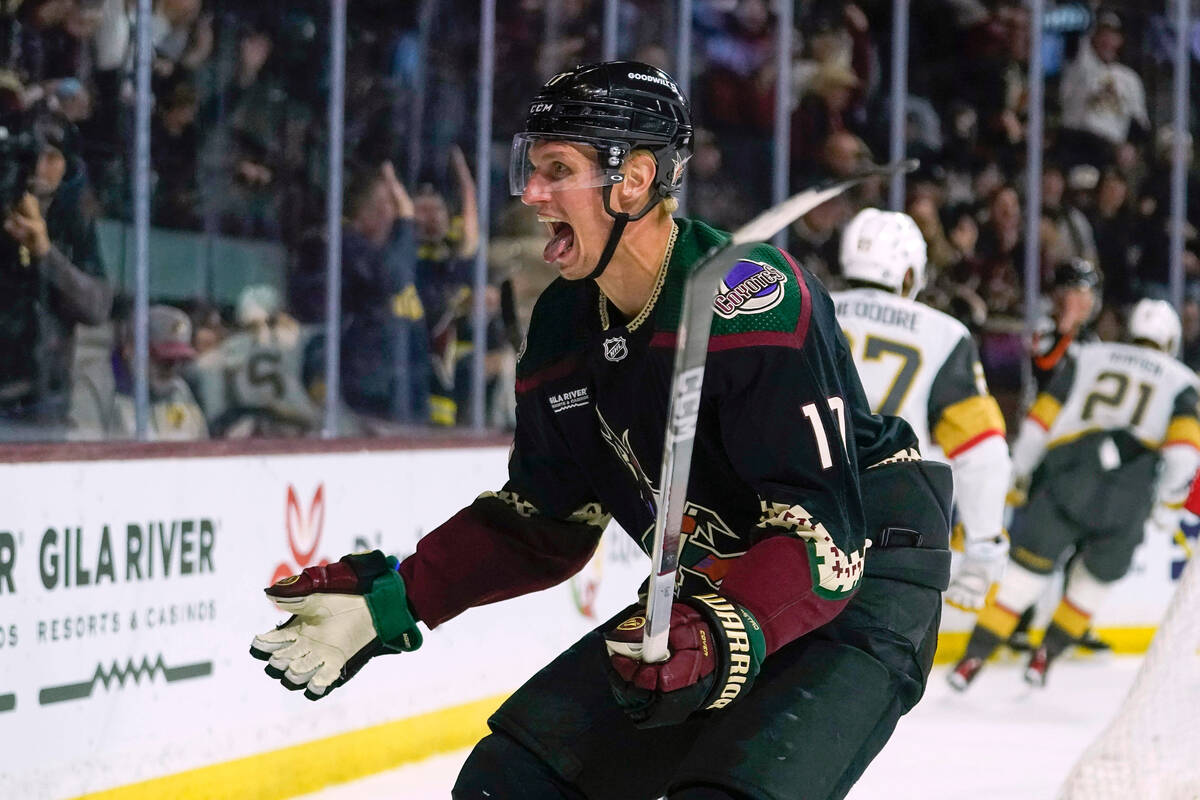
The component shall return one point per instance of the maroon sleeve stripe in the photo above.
(470, 561)
(557, 369)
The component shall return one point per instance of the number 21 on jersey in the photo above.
(1111, 390)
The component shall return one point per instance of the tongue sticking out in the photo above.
(560, 243)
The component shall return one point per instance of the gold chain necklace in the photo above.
(658, 284)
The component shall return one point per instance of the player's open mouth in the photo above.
(562, 239)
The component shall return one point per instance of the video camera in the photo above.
(24, 134)
(19, 152)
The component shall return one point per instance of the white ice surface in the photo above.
(998, 741)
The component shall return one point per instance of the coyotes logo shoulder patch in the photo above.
(751, 287)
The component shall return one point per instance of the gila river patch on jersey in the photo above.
(751, 287)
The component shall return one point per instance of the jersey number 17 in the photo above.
(874, 349)
(838, 408)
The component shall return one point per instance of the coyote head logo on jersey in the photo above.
(708, 549)
(751, 287)
(624, 450)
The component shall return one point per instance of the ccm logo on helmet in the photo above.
(654, 79)
(539, 108)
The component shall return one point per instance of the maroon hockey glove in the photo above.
(343, 615)
(716, 649)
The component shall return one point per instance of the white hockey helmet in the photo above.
(1156, 321)
(880, 247)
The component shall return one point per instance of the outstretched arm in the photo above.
(470, 208)
(497, 548)
(540, 529)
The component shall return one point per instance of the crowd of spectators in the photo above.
(1106, 172)
(239, 149)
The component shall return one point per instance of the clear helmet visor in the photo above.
(542, 164)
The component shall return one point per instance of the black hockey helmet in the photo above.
(1077, 273)
(617, 107)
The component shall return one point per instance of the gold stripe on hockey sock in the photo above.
(1073, 620)
(998, 620)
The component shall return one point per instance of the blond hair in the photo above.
(669, 204)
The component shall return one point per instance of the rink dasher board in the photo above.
(129, 591)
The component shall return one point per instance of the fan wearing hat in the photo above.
(1104, 101)
(823, 110)
(102, 403)
(174, 413)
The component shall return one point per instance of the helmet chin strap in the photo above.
(620, 220)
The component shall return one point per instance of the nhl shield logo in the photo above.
(615, 348)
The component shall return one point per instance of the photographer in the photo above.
(51, 278)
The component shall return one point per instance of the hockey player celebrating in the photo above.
(921, 365)
(1093, 443)
(793, 649)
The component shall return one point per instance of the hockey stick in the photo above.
(691, 350)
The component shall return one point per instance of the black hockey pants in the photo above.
(821, 709)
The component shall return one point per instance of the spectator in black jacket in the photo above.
(51, 278)
(1118, 250)
(385, 345)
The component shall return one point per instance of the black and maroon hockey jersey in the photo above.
(774, 518)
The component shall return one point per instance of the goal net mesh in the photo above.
(1149, 749)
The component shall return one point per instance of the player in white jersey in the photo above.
(1070, 310)
(1108, 450)
(922, 365)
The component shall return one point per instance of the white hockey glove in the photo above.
(343, 615)
(982, 566)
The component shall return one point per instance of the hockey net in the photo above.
(1149, 749)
